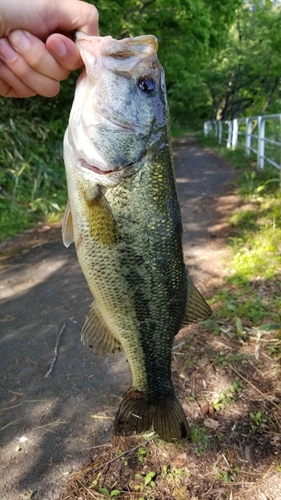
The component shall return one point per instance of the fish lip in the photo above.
(85, 164)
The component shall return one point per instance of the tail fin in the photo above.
(136, 414)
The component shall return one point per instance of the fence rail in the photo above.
(260, 135)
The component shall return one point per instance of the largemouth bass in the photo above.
(123, 215)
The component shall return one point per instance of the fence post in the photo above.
(234, 133)
(248, 142)
(261, 130)
(229, 136)
(206, 129)
(219, 132)
(280, 158)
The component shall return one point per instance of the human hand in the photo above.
(36, 52)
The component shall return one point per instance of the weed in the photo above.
(199, 437)
(96, 480)
(222, 360)
(147, 480)
(190, 398)
(242, 303)
(227, 476)
(110, 494)
(174, 475)
(256, 419)
(229, 396)
(212, 326)
(32, 178)
(124, 458)
(223, 475)
(191, 361)
(142, 453)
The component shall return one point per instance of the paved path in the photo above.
(46, 424)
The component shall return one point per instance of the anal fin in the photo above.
(197, 308)
(96, 335)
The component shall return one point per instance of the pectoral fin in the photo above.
(67, 227)
(102, 225)
(197, 308)
(96, 335)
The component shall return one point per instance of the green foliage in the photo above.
(142, 453)
(146, 480)
(228, 396)
(242, 78)
(256, 419)
(188, 32)
(199, 437)
(31, 168)
(241, 303)
(227, 476)
(175, 476)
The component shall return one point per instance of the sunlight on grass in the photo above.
(252, 290)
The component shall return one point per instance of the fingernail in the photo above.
(7, 53)
(19, 40)
(58, 48)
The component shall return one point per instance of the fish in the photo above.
(124, 218)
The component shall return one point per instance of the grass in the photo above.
(255, 269)
(32, 176)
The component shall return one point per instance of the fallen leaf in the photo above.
(211, 423)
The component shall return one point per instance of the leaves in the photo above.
(188, 32)
(244, 79)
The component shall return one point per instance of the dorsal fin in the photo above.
(197, 308)
(96, 335)
(67, 227)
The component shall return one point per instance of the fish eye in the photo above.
(146, 84)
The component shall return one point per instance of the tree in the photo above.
(245, 77)
(188, 32)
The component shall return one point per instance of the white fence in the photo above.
(260, 135)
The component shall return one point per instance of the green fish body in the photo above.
(124, 217)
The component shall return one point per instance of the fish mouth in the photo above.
(94, 168)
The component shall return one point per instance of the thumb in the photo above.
(64, 51)
(72, 15)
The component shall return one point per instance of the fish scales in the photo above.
(124, 217)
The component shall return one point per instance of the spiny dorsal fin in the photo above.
(96, 335)
(197, 308)
(67, 227)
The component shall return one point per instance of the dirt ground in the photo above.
(53, 425)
